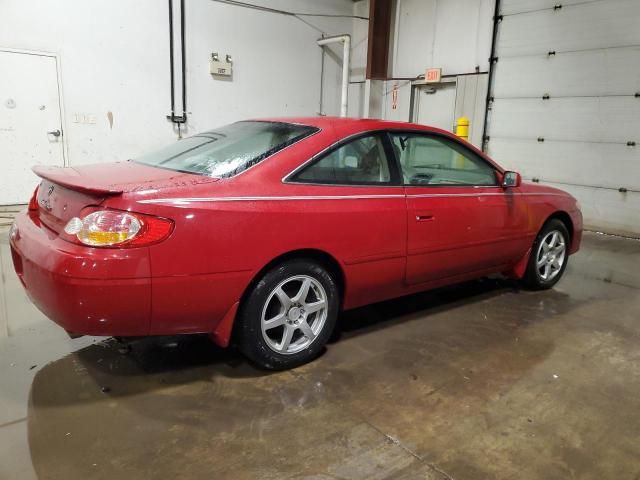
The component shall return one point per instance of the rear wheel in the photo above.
(549, 256)
(289, 315)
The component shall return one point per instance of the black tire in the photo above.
(250, 337)
(533, 278)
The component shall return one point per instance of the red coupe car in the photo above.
(260, 232)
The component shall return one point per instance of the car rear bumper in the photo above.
(85, 290)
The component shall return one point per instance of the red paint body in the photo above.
(388, 241)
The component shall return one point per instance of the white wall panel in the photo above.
(562, 164)
(359, 41)
(600, 164)
(599, 119)
(413, 51)
(401, 113)
(600, 72)
(585, 26)
(592, 113)
(607, 210)
(510, 7)
(115, 58)
(452, 34)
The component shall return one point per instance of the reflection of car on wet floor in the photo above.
(260, 232)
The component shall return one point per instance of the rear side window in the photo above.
(360, 162)
(228, 150)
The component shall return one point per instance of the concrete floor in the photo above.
(471, 382)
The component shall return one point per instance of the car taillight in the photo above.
(116, 228)
(33, 203)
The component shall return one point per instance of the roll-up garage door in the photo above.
(566, 103)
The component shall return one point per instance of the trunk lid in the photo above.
(64, 192)
(58, 204)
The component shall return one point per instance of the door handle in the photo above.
(424, 218)
(55, 133)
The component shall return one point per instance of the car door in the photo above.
(460, 220)
(357, 212)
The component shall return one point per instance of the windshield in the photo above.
(228, 150)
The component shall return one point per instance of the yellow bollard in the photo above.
(462, 128)
(462, 131)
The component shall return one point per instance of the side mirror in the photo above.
(511, 179)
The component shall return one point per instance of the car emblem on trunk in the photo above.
(47, 203)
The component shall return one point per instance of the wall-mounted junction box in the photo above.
(220, 67)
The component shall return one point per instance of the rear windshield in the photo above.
(228, 150)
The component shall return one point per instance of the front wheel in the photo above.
(289, 315)
(549, 256)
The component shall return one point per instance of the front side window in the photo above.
(432, 160)
(360, 162)
(228, 150)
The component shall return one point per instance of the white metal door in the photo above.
(30, 122)
(566, 108)
(436, 105)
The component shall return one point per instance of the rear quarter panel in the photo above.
(226, 232)
(221, 243)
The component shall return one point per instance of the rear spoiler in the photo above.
(73, 180)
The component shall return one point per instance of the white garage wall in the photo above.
(592, 80)
(115, 58)
(454, 35)
(565, 109)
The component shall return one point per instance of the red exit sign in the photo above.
(433, 75)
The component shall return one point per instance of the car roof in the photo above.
(351, 125)
(350, 122)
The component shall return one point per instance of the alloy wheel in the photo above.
(551, 255)
(294, 314)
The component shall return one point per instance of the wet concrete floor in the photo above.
(480, 380)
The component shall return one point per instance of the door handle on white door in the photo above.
(55, 133)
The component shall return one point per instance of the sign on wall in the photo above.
(394, 96)
(433, 75)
